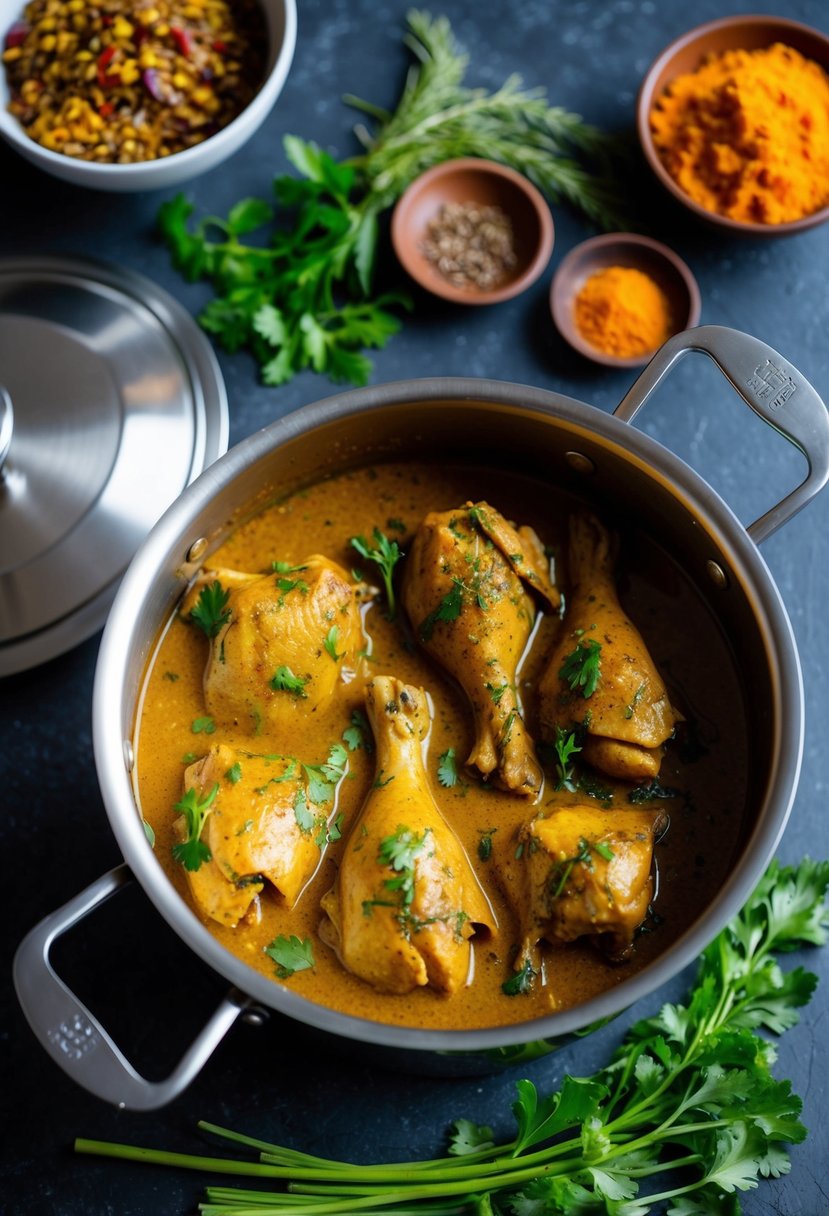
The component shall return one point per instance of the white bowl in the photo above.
(281, 21)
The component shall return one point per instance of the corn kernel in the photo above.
(13, 53)
(148, 15)
(122, 29)
(181, 80)
(147, 58)
(130, 72)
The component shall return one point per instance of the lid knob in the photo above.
(6, 424)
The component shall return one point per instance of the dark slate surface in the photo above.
(55, 833)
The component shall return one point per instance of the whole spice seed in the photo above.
(471, 245)
(117, 83)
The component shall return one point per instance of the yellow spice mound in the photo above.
(747, 135)
(622, 312)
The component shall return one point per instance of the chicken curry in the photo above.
(435, 747)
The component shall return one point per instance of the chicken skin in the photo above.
(600, 678)
(405, 901)
(466, 592)
(261, 825)
(584, 872)
(285, 642)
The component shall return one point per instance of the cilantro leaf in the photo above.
(448, 769)
(566, 745)
(358, 733)
(290, 955)
(582, 667)
(210, 612)
(385, 554)
(192, 851)
(449, 609)
(399, 852)
(284, 680)
(323, 779)
(469, 1137)
(330, 643)
(521, 981)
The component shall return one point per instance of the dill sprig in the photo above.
(439, 118)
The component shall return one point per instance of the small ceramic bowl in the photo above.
(485, 183)
(281, 22)
(685, 54)
(657, 261)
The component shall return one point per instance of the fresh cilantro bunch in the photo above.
(685, 1117)
(302, 296)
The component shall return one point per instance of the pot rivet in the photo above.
(129, 756)
(255, 1016)
(197, 549)
(580, 463)
(716, 573)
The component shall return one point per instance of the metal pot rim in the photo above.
(110, 730)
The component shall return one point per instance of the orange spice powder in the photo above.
(747, 135)
(621, 311)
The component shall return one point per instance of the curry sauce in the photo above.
(700, 792)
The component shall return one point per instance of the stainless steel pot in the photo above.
(566, 441)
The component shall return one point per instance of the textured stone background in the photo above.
(55, 836)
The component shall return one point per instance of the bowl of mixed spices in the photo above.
(617, 298)
(733, 119)
(123, 96)
(472, 231)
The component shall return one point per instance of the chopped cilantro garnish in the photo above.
(210, 612)
(400, 852)
(357, 734)
(203, 726)
(192, 851)
(449, 609)
(330, 643)
(566, 745)
(385, 554)
(581, 668)
(448, 769)
(521, 982)
(290, 955)
(284, 680)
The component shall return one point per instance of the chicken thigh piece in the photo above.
(405, 901)
(585, 872)
(283, 642)
(260, 825)
(600, 677)
(466, 594)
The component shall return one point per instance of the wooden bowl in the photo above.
(471, 180)
(656, 260)
(685, 54)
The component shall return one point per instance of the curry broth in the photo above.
(708, 769)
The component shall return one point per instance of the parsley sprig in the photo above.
(687, 1099)
(302, 296)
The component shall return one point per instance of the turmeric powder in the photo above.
(621, 311)
(747, 135)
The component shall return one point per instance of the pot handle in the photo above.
(75, 1039)
(770, 386)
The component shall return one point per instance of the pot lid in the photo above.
(111, 402)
